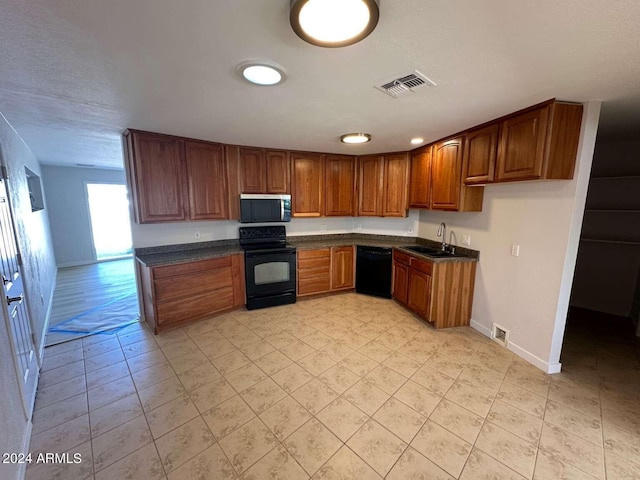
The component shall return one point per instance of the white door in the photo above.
(15, 307)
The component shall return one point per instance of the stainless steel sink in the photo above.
(431, 252)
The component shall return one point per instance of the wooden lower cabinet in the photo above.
(325, 269)
(343, 268)
(177, 294)
(441, 293)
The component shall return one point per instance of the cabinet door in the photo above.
(480, 149)
(278, 172)
(253, 171)
(420, 178)
(207, 175)
(419, 295)
(370, 186)
(340, 181)
(160, 178)
(394, 198)
(522, 144)
(307, 185)
(400, 282)
(446, 171)
(342, 268)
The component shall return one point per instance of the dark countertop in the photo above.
(189, 252)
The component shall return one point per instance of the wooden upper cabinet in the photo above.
(480, 150)
(539, 143)
(342, 268)
(446, 170)
(157, 175)
(394, 189)
(522, 146)
(206, 167)
(264, 171)
(370, 184)
(278, 171)
(307, 185)
(340, 185)
(420, 178)
(253, 171)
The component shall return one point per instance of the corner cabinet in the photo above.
(340, 185)
(307, 184)
(178, 294)
(441, 293)
(382, 185)
(174, 179)
(343, 268)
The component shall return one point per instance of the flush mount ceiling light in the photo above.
(333, 23)
(417, 141)
(355, 138)
(261, 73)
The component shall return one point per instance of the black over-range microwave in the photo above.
(259, 208)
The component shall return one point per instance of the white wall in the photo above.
(68, 210)
(528, 294)
(149, 235)
(34, 242)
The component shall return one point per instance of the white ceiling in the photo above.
(74, 74)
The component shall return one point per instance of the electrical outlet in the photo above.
(410, 230)
(466, 239)
(197, 234)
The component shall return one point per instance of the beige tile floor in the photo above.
(343, 387)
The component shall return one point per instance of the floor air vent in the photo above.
(404, 84)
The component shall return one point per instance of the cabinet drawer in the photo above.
(191, 267)
(197, 306)
(314, 284)
(401, 257)
(421, 265)
(181, 286)
(304, 255)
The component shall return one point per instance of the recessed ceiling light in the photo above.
(333, 23)
(355, 138)
(417, 141)
(261, 73)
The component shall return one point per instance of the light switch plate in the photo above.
(466, 239)
(515, 250)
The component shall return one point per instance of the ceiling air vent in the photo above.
(405, 84)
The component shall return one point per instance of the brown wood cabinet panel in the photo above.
(421, 265)
(563, 145)
(186, 285)
(232, 158)
(307, 185)
(253, 171)
(394, 189)
(480, 150)
(190, 267)
(522, 146)
(419, 292)
(340, 185)
(196, 306)
(370, 184)
(401, 257)
(314, 271)
(278, 172)
(342, 268)
(420, 178)
(158, 171)
(400, 282)
(452, 293)
(446, 170)
(206, 174)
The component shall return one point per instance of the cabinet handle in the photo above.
(19, 298)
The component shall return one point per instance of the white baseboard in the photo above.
(480, 327)
(534, 360)
(521, 352)
(75, 264)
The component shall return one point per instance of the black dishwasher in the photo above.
(373, 271)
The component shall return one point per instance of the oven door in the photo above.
(270, 273)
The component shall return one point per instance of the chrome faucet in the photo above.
(442, 231)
